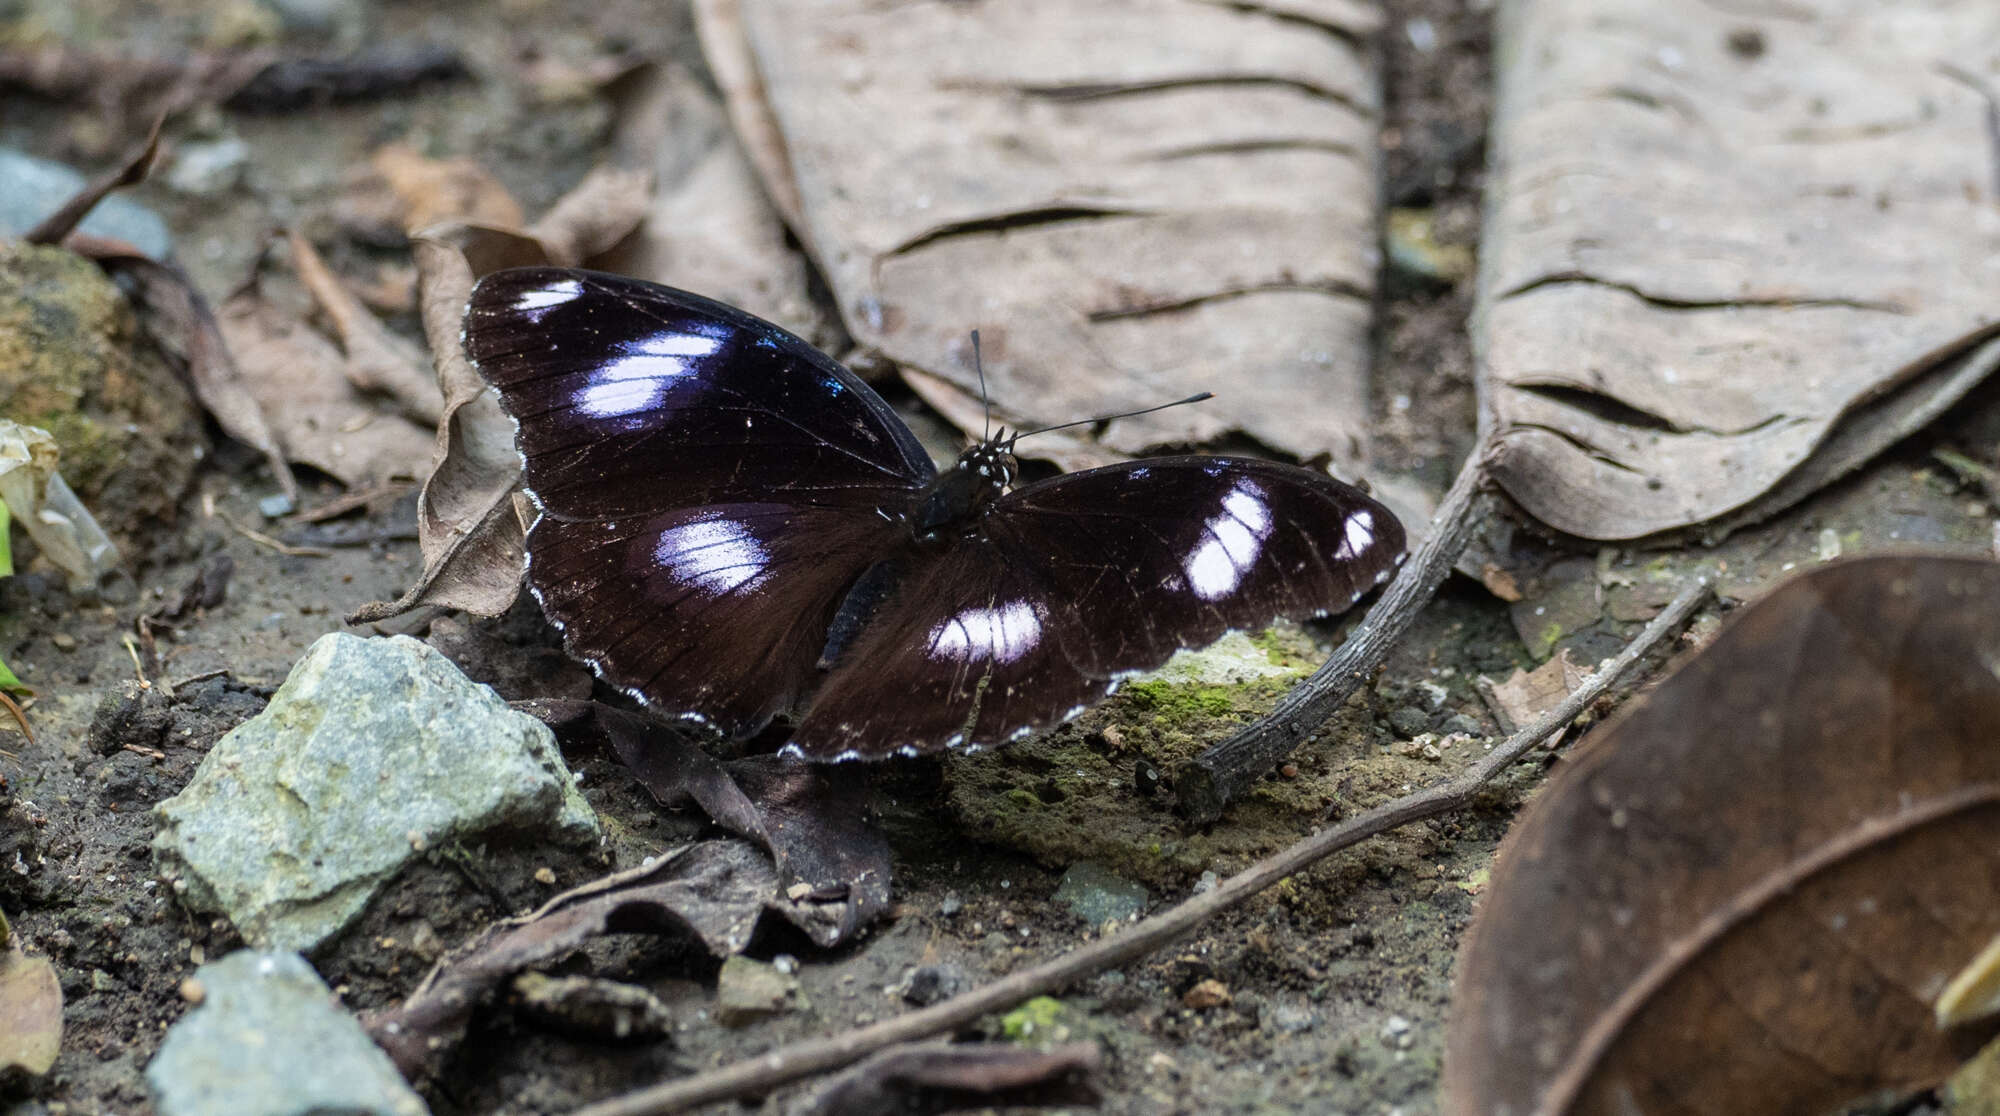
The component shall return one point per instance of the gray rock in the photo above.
(748, 990)
(207, 167)
(1097, 896)
(372, 751)
(31, 189)
(267, 1040)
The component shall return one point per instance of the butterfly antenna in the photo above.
(985, 401)
(1196, 398)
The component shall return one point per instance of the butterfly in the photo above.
(734, 528)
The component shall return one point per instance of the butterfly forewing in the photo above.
(710, 485)
(635, 399)
(1066, 585)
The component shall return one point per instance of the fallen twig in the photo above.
(20, 716)
(770, 1070)
(71, 213)
(1222, 772)
(262, 539)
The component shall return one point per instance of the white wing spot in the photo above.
(540, 300)
(1003, 634)
(1359, 534)
(717, 555)
(637, 380)
(1235, 538)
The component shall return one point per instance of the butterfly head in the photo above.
(955, 500)
(992, 462)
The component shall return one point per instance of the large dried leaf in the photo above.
(299, 379)
(1746, 893)
(377, 359)
(472, 538)
(713, 891)
(1732, 252)
(709, 227)
(1193, 210)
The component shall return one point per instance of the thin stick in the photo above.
(1221, 773)
(787, 1064)
(20, 716)
(262, 539)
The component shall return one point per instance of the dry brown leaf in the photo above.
(1194, 210)
(427, 191)
(1731, 254)
(1067, 449)
(709, 227)
(377, 360)
(53, 228)
(813, 818)
(1527, 694)
(725, 45)
(591, 219)
(179, 318)
(299, 378)
(1746, 892)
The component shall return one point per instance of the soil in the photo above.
(1338, 979)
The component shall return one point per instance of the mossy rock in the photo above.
(74, 362)
(1071, 794)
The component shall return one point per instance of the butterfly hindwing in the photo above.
(1067, 585)
(718, 613)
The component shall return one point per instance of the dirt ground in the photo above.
(1339, 979)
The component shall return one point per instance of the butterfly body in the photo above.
(735, 528)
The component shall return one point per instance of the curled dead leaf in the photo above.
(1747, 890)
(377, 359)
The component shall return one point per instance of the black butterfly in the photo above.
(734, 527)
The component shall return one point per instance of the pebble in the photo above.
(1293, 1019)
(208, 167)
(1205, 995)
(748, 990)
(950, 905)
(63, 641)
(1097, 895)
(929, 984)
